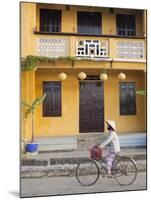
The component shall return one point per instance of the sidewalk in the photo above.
(63, 163)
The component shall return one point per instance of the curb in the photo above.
(66, 169)
(65, 160)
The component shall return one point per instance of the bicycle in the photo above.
(124, 170)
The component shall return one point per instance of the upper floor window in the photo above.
(127, 98)
(126, 25)
(89, 22)
(50, 20)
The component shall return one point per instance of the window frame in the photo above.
(89, 26)
(48, 86)
(125, 28)
(127, 90)
(50, 21)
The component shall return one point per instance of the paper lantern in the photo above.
(82, 75)
(121, 76)
(62, 76)
(103, 76)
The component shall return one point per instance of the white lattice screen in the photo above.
(92, 48)
(53, 47)
(131, 50)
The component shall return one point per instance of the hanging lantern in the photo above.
(103, 76)
(62, 76)
(82, 75)
(121, 76)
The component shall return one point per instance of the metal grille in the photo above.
(53, 47)
(131, 50)
(92, 48)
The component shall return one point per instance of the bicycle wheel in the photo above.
(87, 172)
(125, 171)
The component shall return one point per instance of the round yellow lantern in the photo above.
(103, 76)
(62, 76)
(121, 76)
(82, 75)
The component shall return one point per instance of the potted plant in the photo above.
(32, 146)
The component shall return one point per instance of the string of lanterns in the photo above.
(103, 76)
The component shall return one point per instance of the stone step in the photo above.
(61, 170)
(131, 140)
(65, 160)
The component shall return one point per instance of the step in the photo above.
(67, 160)
(127, 140)
(61, 170)
(56, 143)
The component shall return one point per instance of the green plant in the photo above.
(31, 110)
(30, 62)
(141, 92)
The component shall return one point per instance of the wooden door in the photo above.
(91, 107)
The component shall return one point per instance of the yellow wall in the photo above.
(69, 18)
(68, 124)
(129, 123)
(28, 96)
(31, 82)
(28, 22)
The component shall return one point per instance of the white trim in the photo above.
(130, 60)
(93, 59)
(99, 47)
(99, 3)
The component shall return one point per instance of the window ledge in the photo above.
(87, 35)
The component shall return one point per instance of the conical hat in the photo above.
(112, 124)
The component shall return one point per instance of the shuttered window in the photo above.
(127, 99)
(50, 20)
(126, 25)
(52, 102)
(89, 22)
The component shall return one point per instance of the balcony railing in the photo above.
(82, 47)
(92, 48)
(130, 49)
(53, 47)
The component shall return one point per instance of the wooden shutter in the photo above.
(131, 98)
(126, 25)
(123, 99)
(56, 99)
(89, 22)
(127, 99)
(52, 102)
(50, 20)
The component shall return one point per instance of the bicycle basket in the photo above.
(96, 152)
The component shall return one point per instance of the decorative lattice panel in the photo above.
(130, 50)
(92, 48)
(53, 47)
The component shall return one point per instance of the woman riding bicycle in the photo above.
(124, 169)
(114, 147)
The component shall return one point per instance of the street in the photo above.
(69, 185)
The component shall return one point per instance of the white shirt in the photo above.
(114, 139)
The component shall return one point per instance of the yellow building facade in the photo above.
(91, 40)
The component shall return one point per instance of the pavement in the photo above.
(32, 187)
(63, 163)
